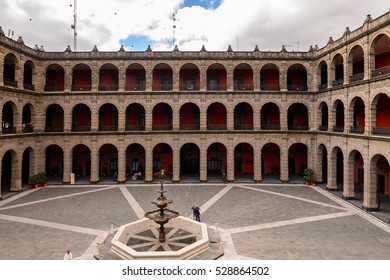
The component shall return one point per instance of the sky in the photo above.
(189, 24)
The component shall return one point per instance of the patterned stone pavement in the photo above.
(255, 221)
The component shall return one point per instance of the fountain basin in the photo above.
(185, 239)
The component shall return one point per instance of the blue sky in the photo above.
(141, 42)
(216, 24)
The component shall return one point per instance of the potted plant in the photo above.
(38, 179)
(309, 176)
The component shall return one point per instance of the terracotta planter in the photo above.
(36, 186)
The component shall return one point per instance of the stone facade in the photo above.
(321, 86)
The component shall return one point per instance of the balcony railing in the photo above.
(322, 87)
(297, 88)
(134, 127)
(216, 87)
(28, 129)
(357, 130)
(338, 83)
(268, 126)
(162, 87)
(356, 78)
(54, 88)
(54, 129)
(338, 128)
(270, 87)
(135, 87)
(298, 127)
(108, 87)
(243, 87)
(216, 127)
(323, 127)
(243, 127)
(189, 127)
(108, 128)
(28, 86)
(81, 87)
(188, 87)
(9, 130)
(380, 71)
(79, 128)
(381, 131)
(9, 82)
(163, 127)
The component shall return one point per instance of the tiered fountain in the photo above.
(177, 237)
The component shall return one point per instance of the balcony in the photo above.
(243, 127)
(135, 87)
(356, 78)
(385, 131)
(211, 87)
(54, 129)
(337, 83)
(380, 71)
(162, 87)
(28, 86)
(240, 87)
(216, 127)
(322, 87)
(28, 129)
(54, 88)
(81, 87)
(357, 130)
(108, 128)
(268, 126)
(298, 127)
(297, 88)
(270, 87)
(338, 128)
(108, 87)
(135, 127)
(10, 82)
(163, 127)
(9, 130)
(323, 127)
(78, 128)
(189, 127)
(188, 87)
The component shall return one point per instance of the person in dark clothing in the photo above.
(196, 213)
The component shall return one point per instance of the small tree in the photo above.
(309, 176)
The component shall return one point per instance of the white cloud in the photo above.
(267, 23)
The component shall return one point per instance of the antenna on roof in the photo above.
(173, 27)
(74, 25)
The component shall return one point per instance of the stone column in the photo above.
(121, 78)
(67, 168)
(148, 162)
(16, 174)
(94, 163)
(121, 119)
(332, 171)
(203, 117)
(257, 176)
(175, 118)
(229, 117)
(94, 118)
(230, 162)
(203, 162)
(121, 162)
(348, 189)
(284, 176)
(176, 160)
(256, 118)
(370, 200)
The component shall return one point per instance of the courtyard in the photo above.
(254, 221)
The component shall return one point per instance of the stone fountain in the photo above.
(162, 215)
(162, 235)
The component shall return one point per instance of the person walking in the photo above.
(68, 255)
(196, 213)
